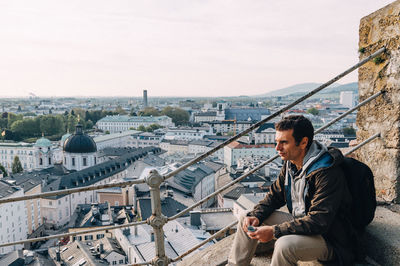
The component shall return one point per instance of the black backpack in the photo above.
(360, 182)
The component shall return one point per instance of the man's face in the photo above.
(287, 148)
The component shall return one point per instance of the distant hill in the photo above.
(303, 88)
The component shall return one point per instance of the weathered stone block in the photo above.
(381, 29)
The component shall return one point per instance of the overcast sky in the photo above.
(175, 48)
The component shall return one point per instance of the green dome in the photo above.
(64, 137)
(43, 142)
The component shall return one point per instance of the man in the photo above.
(313, 187)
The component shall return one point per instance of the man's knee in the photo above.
(241, 219)
(285, 245)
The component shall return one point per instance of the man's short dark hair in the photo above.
(302, 127)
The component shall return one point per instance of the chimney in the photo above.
(144, 98)
(58, 256)
(101, 247)
(195, 218)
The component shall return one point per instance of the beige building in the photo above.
(175, 146)
(30, 185)
(116, 196)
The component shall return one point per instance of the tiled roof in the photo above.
(265, 126)
(96, 173)
(206, 114)
(238, 191)
(169, 207)
(243, 114)
(7, 189)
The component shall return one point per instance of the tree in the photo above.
(12, 118)
(152, 127)
(89, 124)
(70, 123)
(313, 111)
(16, 166)
(349, 131)
(179, 116)
(3, 170)
(52, 125)
(27, 128)
(149, 111)
(120, 110)
(141, 128)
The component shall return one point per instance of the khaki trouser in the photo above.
(288, 249)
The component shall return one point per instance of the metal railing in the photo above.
(154, 180)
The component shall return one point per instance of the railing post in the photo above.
(157, 220)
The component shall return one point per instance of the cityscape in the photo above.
(139, 132)
(52, 144)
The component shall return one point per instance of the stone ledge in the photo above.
(382, 241)
(383, 237)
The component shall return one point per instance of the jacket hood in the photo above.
(329, 157)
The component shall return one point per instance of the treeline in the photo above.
(178, 116)
(17, 127)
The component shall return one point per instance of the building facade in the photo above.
(13, 222)
(120, 123)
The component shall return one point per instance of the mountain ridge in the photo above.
(303, 88)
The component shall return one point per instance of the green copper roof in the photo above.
(43, 142)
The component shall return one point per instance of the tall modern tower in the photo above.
(145, 98)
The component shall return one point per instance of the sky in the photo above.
(182, 48)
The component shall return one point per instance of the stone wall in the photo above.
(377, 30)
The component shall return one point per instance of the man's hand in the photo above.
(250, 220)
(262, 233)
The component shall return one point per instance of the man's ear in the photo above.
(304, 142)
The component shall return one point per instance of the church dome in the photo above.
(64, 137)
(43, 142)
(79, 142)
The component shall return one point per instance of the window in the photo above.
(73, 161)
(40, 161)
(50, 203)
(65, 160)
(121, 261)
(49, 160)
(84, 161)
(89, 237)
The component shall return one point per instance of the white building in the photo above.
(120, 123)
(236, 150)
(80, 151)
(265, 134)
(13, 221)
(347, 99)
(58, 210)
(144, 139)
(245, 203)
(226, 126)
(115, 140)
(187, 133)
(31, 156)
